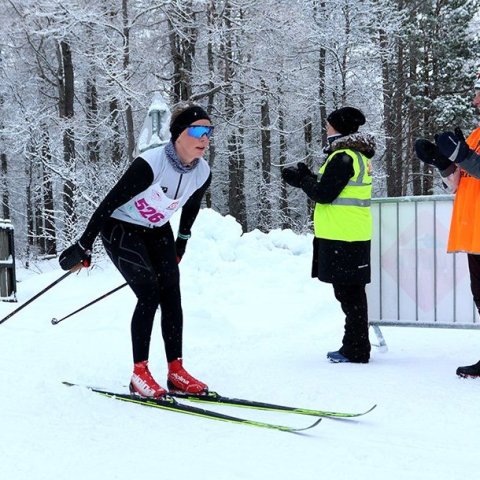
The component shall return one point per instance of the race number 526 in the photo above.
(148, 212)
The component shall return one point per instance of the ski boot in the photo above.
(143, 384)
(180, 380)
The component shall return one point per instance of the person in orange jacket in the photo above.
(459, 163)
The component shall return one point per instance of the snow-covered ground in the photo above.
(256, 326)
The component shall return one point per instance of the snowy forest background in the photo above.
(78, 76)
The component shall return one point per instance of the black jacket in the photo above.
(338, 261)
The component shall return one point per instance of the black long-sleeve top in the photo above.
(137, 178)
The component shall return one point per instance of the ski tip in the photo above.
(284, 428)
(314, 424)
(353, 415)
(299, 430)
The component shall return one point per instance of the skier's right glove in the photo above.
(75, 256)
(429, 153)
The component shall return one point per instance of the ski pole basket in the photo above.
(8, 282)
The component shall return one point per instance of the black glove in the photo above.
(452, 145)
(75, 256)
(429, 153)
(294, 175)
(180, 246)
(304, 170)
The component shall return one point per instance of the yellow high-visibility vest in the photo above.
(348, 217)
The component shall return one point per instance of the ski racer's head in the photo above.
(190, 129)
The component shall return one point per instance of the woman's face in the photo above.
(188, 146)
(331, 131)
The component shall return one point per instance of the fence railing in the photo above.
(414, 281)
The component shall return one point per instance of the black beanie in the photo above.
(186, 118)
(346, 120)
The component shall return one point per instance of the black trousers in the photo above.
(353, 300)
(146, 258)
(474, 269)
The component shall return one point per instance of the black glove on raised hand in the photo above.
(294, 175)
(452, 145)
(75, 256)
(180, 246)
(304, 170)
(429, 153)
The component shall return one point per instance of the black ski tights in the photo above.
(147, 260)
(474, 269)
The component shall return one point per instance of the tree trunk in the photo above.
(183, 38)
(66, 101)
(401, 166)
(283, 202)
(414, 123)
(236, 162)
(126, 71)
(49, 232)
(266, 142)
(211, 86)
(319, 17)
(116, 146)
(308, 136)
(93, 146)
(29, 201)
(5, 195)
(391, 173)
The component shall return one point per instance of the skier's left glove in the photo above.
(452, 145)
(76, 256)
(181, 245)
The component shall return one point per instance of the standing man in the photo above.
(459, 163)
(343, 224)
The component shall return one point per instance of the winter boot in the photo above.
(472, 371)
(180, 380)
(337, 357)
(142, 383)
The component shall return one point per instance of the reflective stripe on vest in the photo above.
(348, 217)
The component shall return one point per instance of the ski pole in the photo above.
(56, 321)
(36, 296)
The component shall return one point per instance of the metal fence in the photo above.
(414, 281)
(8, 283)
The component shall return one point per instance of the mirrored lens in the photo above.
(198, 131)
